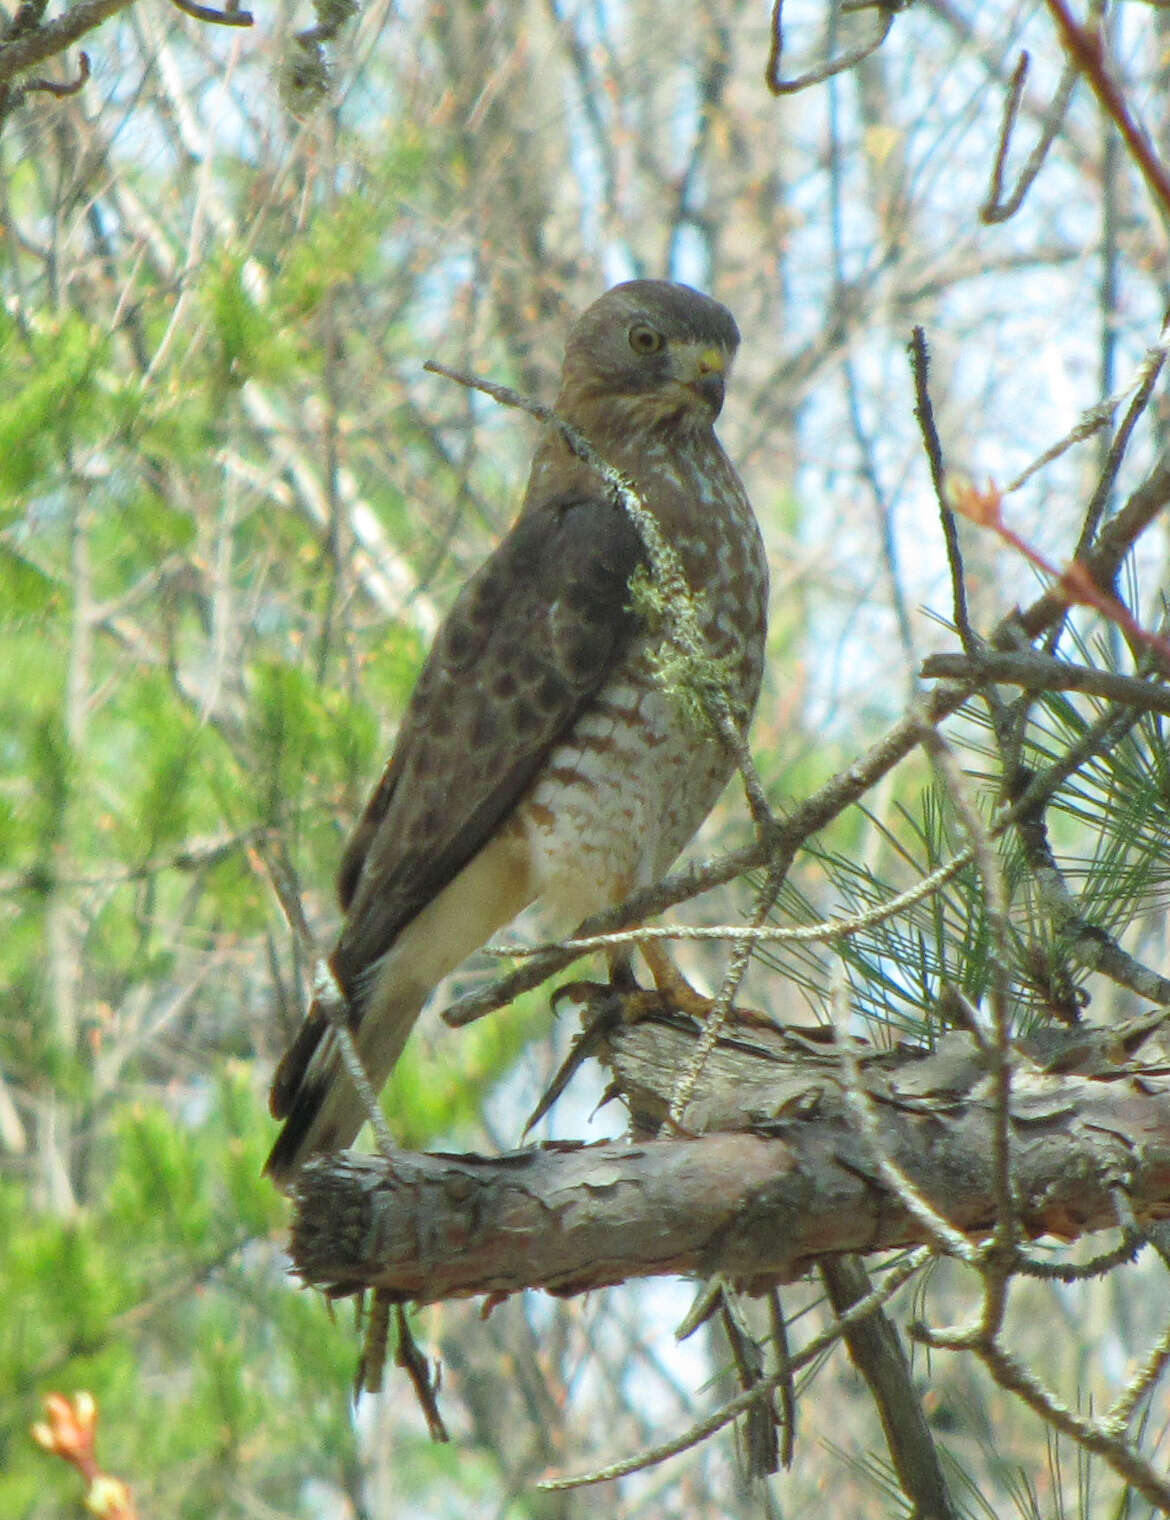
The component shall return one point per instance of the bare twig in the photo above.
(55, 87)
(737, 965)
(1085, 47)
(1080, 1271)
(876, 1352)
(1100, 1436)
(229, 16)
(924, 411)
(1039, 672)
(827, 932)
(1100, 415)
(1142, 387)
(1140, 1384)
(944, 1238)
(995, 208)
(886, 9)
(996, 1259)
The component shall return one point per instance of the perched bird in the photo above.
(540, 756)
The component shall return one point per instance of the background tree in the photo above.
(234, 507)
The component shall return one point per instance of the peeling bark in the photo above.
(780, 1177)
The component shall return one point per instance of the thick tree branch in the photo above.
(55, 36)
(22, 48)
(780, 1178)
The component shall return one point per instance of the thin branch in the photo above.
(737, 965)
(1140, 1384)
(876, 1352)
(924, 411)
(826, 932)
(1093, 1435)
(55, 87)
(995, 208)
(1100, 415)
(1146, 378)
(1085, 47)
(700, 1431)
(887, 10)
(945, 1239)
(1039, 672)
(1081, 1271)
(228, 17)
(997, 1257)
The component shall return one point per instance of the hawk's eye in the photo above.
(644, 339)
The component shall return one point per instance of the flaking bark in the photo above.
(779, 1177)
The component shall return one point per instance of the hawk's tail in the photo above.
(314, 1094)
(312, 1091)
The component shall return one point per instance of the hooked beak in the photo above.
(704, 371)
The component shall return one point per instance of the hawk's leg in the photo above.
(672, 984)
(677, 994)
(672, 988)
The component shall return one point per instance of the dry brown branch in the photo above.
(46, 41)
(892, 1282)
(876, 1352)
(1085, 47)
(780, 1178)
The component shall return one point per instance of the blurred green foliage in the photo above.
(182, 671)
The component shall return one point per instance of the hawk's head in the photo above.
(652, 352)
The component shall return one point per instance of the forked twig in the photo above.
(887, 10)
(995, 208)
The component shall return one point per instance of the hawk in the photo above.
(540, 756)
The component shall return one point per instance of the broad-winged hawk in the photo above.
(540, 756)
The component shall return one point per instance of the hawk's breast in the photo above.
(623, 792)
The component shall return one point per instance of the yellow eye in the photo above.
(644, 339)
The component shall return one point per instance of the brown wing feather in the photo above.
(530, 639)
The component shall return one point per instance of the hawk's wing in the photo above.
(527, 644)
